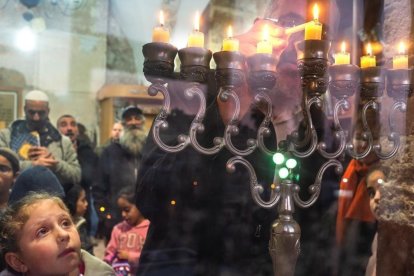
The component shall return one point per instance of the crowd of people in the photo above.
(163, 213)
(55, 168)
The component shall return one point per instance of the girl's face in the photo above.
(6, 175)
(129, 211)
(81, 204)
(374, 182)
(49, 243)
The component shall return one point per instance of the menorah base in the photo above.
(284, 246)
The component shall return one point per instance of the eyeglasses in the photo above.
(41, 113)
(5, 169)
(287, 20)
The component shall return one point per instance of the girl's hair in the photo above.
(377, 167)
(71, 198)
(15, 216)
(128, 193)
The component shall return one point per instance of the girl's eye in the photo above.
(371, 192)
(66, 223)
(41, 232)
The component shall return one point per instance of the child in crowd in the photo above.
(375, 178)
(9, 168)
(128, 236)
(38, 237)
(77, 204)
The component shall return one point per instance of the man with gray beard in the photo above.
(118, 168)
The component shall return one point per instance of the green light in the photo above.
(278, 158)
(283, 173)
(291, 163)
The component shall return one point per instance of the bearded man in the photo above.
(118, 168)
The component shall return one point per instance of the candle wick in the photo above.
(161, 25)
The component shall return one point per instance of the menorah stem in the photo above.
(284, 245)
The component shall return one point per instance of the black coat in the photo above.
(214, 227)
(117, 169)
(88, 161)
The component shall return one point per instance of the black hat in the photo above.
(35, 179)
(131, 110)
(12, 157)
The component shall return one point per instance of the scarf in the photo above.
(22, 138)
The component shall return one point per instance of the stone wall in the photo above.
(69, 58)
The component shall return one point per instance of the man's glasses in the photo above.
(41, 113)
(288, 20)
(5, 169)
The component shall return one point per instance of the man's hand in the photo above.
(37, 152)
(248, 41)
(40, 156)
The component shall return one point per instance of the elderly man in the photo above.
(38, 143)
(118, 167)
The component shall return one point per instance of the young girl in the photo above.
(128, 237)
(38, 237)
(77, 204)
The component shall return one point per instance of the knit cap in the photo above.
(131, 110)
(36, 179)
(12, 157)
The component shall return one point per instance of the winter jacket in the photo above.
(85, 239)
(117, 169)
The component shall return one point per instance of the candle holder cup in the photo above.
(400, 83)
(195, 64)
(230, 69)
(372, 82)
(159, 61)
(344, 80)
(262, 71)
(312, 65)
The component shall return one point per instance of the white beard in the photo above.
(133, 140)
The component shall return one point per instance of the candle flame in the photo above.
(161, 18)
(401, 48)
(315, 12)
(230, 32)
(369, 49)
(197, 21)
(265, 33)
(343, 47)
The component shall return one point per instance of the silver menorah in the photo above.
(317, 76)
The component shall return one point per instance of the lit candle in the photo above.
(313, 30)
(264, 46)
(400, 61)
(161, 33)
(196, 38)
(343, 57)
(369, 60)
(230, 43)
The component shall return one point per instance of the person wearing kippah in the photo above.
(9, 169)
(38, 143)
